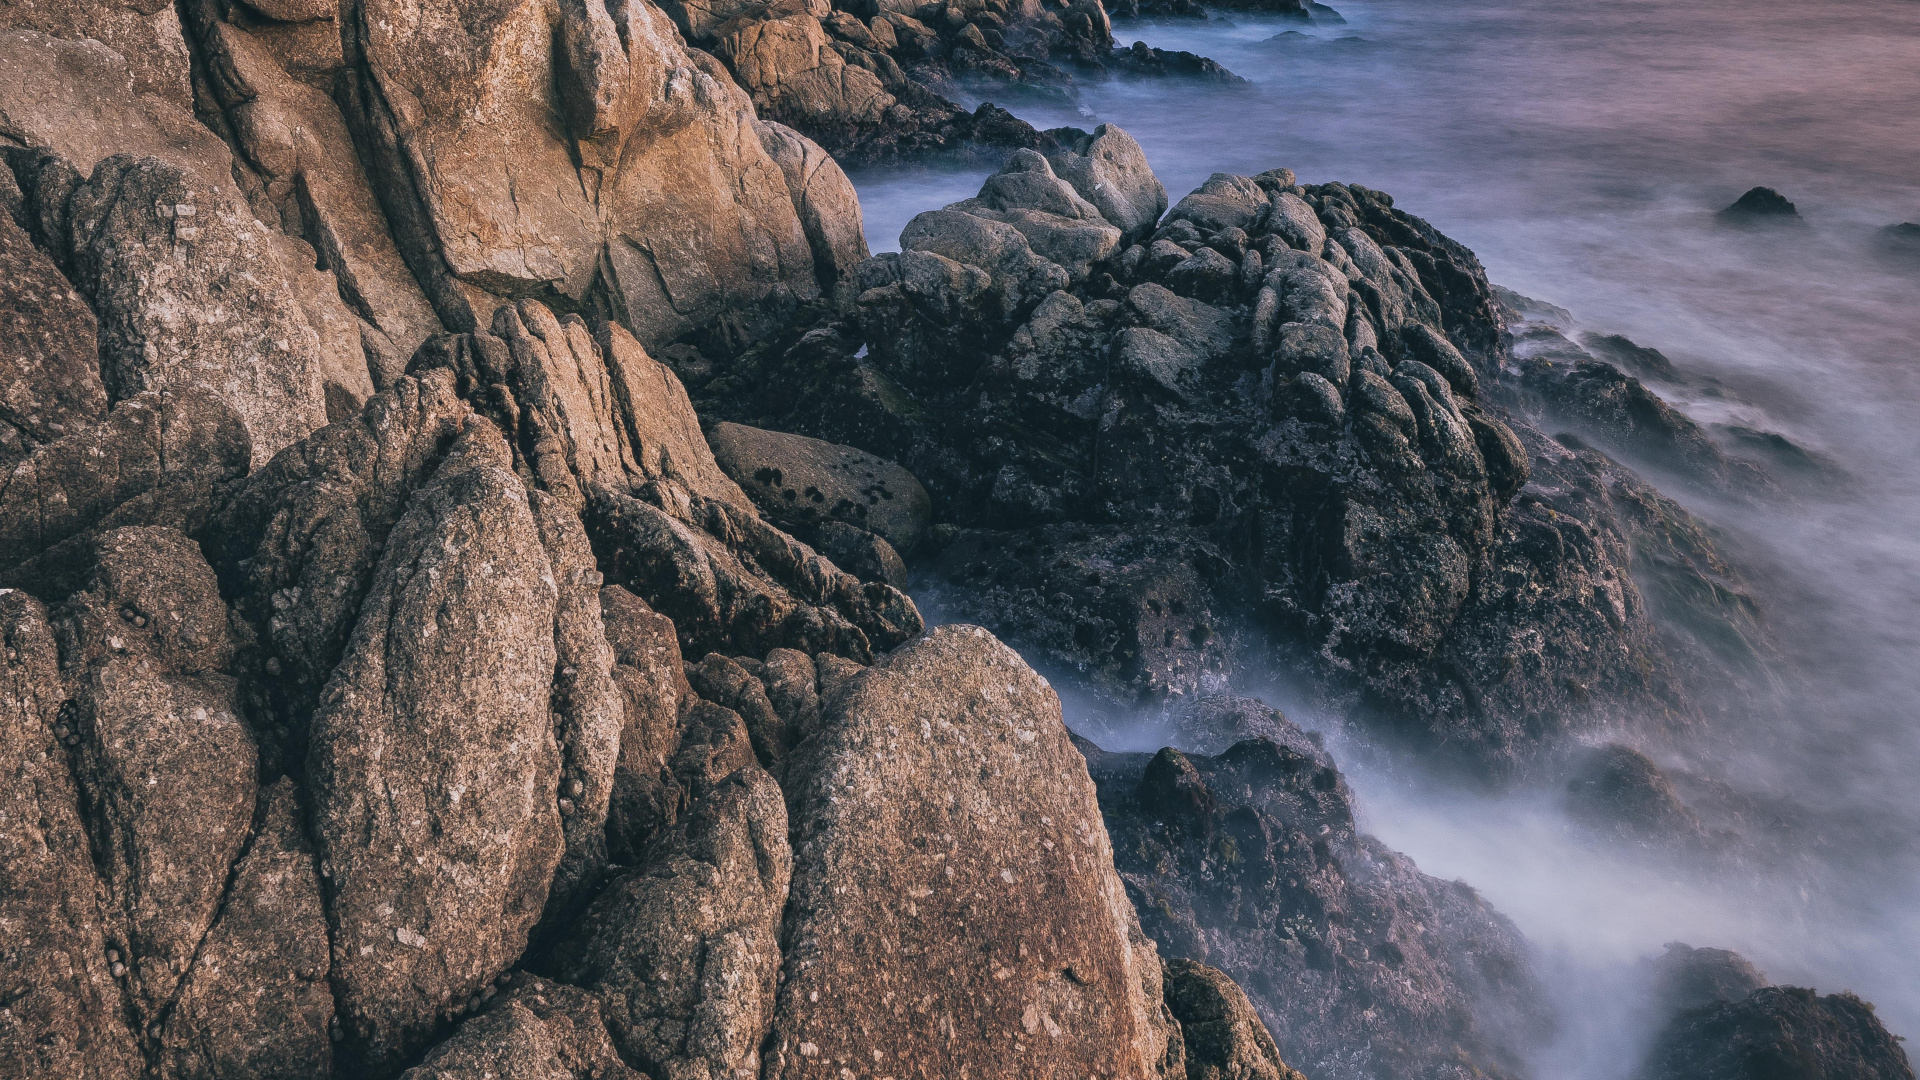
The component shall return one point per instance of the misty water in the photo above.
(1580, 149)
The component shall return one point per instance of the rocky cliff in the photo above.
(404, 674)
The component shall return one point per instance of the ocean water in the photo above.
(1580, 150)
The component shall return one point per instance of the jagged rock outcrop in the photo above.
(135, 202)
(653, 191)
(1282, 417)
(145, 36)
(876, 81)
(405, 683)
(609, 432)
(298, 543)
(1778, 1031)
(943, 826)
(1360, 965)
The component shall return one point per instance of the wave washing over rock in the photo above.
(462, 468)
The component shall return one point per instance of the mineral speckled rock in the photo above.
(155, 459)
(151, 243)
(589, 711)
(458, 142)
(64, 1013)
(435, 770)
(953, 904)
(800, 481)
(654, 693)
(256, 1001)
(685, 950)
(144, 38)
(49, 360)
(166, 763)
(536, 1030)
(299, 541)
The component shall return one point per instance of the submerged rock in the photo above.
(1778, 1031)
(1618, 790)
(1760, 204)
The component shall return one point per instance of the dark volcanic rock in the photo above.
(1760, 204)
(1164, 473)
(1778, 1031)
(1360, 965)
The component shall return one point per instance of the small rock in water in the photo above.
(1761, 204)
(1902, 239)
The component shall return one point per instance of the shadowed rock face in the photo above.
(686, 949)
(64, 1014)
(1225, 1038)
(1359, 964)
(257, 1002)
(1778, 1031)
(1276, 429)
(165, 762)
(536, 1028)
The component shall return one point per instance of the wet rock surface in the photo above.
(1779, 1031)
(1281, 428)
(1359, 964)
